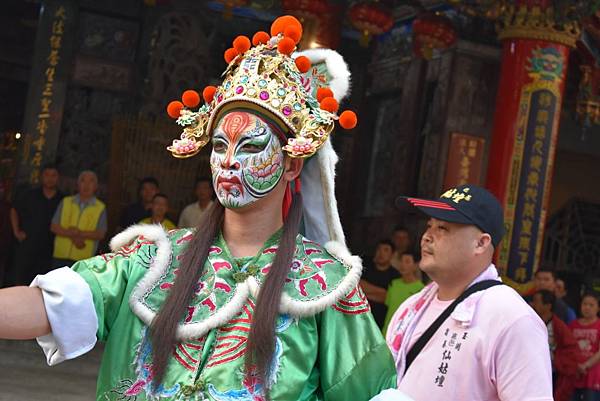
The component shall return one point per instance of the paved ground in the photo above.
(25, 376)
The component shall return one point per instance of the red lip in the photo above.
(231, 180)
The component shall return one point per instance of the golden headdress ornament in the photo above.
(270, 79)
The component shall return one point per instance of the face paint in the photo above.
(246, 159)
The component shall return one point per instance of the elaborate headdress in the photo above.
(299, 91)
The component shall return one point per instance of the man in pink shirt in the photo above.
(492, 345)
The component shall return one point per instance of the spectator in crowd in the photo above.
(400, 289)
(5, 234)
(30, 218)
(79, 223)
(402, 243)
(545, 279)
(190, 217)
(160, 207)
(141, 209)
(377, 277)
(560, 291)
(564, 352)
(586, 331)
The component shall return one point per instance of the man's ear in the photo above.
(293, 167)
(484, 243)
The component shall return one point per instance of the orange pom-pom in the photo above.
(286, 46)
(303, 63)
(329, 104)
(322, 93)
(190, 98)
(241, 44)
(348, 119)
(260, 38)
(230, 54)
(208, 93)
(278, 26)
(174, 109)
(293, 33)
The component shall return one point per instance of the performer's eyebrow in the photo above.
(259, 130)
(220, 134)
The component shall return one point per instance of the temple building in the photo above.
(499, 93)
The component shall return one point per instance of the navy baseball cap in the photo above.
(466, 204)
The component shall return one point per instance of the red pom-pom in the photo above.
(303, 63)
(260, 38)
(348, 119)
(293, 33)
(286, 46)
(322, 93)
(190, 98)
(208, 93)
(329, 104)
(278, 26)
(174, 109)
(241, 44)
(230, 54)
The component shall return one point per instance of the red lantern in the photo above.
(432, 32)
(321, 21)
(311, 9)
(370, 19)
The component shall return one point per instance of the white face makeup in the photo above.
(246, 159)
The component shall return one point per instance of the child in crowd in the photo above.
(160, 207)
(586, 331)
(402, 288)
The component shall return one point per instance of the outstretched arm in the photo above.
(22, 313)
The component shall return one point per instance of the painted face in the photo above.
(246, 159)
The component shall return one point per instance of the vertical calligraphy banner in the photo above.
(47, 88)
(529, 213)
(465, 160)
(529, 181)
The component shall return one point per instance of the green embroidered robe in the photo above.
(327, 344)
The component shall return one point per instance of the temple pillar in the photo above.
(535, 52)
(46, 95)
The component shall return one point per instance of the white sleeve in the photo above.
(391, 395)
(71, 313)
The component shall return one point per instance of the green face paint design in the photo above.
(246, 159)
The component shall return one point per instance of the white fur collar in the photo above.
(160, 265)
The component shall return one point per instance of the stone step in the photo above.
(25, 375)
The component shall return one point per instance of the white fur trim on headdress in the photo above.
(327, 160)
(336, 66)
(320, 213)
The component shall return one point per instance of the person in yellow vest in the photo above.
(160, 207)
(79, 223)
